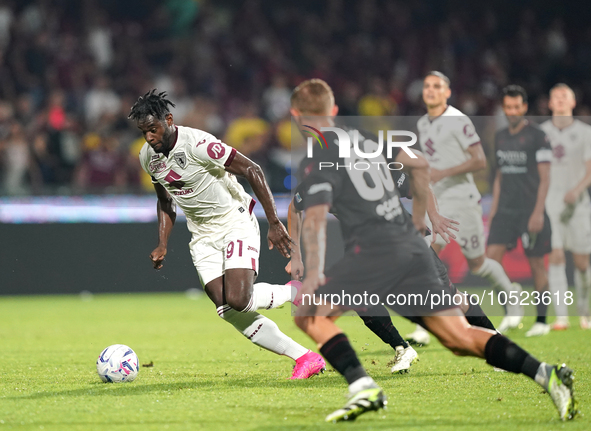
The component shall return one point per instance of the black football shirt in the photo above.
(517, 157)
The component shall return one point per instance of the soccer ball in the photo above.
(117, 363)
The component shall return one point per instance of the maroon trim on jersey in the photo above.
(439, 116)
(230, 157)
(251, 206)
(475, 143)
(254, 264)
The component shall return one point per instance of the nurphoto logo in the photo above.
(367, 152)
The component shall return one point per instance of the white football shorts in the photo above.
(223, 243)
(470, 236)
(575, 235)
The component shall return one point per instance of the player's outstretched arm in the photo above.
(441, 225)
(166, 210)
(295, 267)
(418, 170)
(277, 236)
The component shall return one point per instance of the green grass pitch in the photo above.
(207, 376)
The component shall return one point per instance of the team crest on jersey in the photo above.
(181, 159)
(157, 166)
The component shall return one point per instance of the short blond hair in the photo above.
(565, 86)
(313, 97)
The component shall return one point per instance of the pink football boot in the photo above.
(308, 365)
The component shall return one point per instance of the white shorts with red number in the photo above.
(223, 243)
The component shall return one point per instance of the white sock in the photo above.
(558, 285)
(266, 296)
(419, 328)
(583, 286)
(362, 384)
(493, 271)
(262, 331)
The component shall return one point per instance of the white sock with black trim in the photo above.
(262, 331)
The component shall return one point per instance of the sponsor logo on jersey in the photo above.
(241, 209)
(251, 248)
(182, 192)
(155, 156)
(157, 166)
(469, 130)
(216, 150)
(512, 157)
(389, 209)
(401, 180)
(181, 159)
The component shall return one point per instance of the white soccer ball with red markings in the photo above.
(117, 363)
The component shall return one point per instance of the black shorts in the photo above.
(507, 227)
(400, 272)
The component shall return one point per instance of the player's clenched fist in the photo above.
(157, 257)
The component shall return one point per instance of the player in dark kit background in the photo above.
(377, 318)
(523, 155)
(386, 254)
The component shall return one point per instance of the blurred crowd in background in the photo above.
(71, 69)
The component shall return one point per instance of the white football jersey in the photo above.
(445, 141)
(571, 148)
(194, 176)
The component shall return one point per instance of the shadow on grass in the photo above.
(130, 389)
(369, 421)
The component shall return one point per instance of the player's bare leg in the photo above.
(540, 277)
(454, 332)
(364, 394)
(583, 288)
(558, 285)
(235, 289)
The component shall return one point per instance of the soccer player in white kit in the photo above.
(452, 147)
(567, 204)
(194, 170)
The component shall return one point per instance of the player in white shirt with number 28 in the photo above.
(452, 147)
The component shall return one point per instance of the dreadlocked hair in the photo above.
(151, 104)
